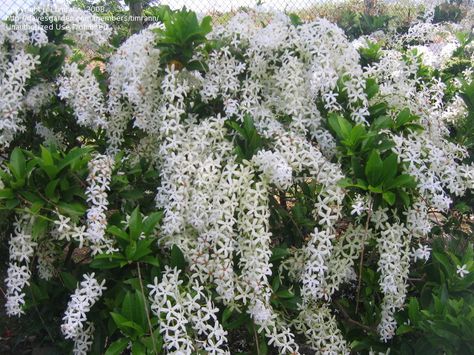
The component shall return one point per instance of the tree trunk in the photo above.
(136, 11)
(370, 6)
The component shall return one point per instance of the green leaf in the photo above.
(69, 280)
(133, 308)
(177, 258)
(358, 132)
(389, 197)
(405, 117)
(107, 261)
(150, 259)
(403, 180)
(46, 156)
(6, 194)
(142, 249)
(375, 189)
(116, 231)
(276, 283)
(11, 204)
(51, 188)
(73, 156)
(226, 314)
(279, 253)
(117, 347)
(382, 122)
(151, 221)
(340, 126)
(405, 197)
(73, 209)
(284, 294)
(40, 293)
(373, 168)
(36, 206)
(262, 347)
(39, 227)
(371, 88)
(443, 260)
(51, 170)
(295, 19)
(130, 250)
(125, 324)
(135, 224)
(132, 194)
(413, 310)
(236, 320)
(31, 196)
(138, 348)
(358, 345)
(18, 163)
(357, 167)
(390, 168)
(404, 328)
(346, 183)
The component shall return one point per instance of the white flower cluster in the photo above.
(22, 248)
(74, 321)
(46, 256)
(275, 168)
(17, 64)
(100, 174)
(436, 166)
(186, 309)
(276, 329)
(81, 90)
(65, 230)
(393, 265)
(49, 136)
(216, 204)
(435, 42)
(133, 87)
(345, 251)
(318, 252)
(38, 96)
(423, 252)
(12, 87)
(320, 328)
(84, 28)
(215, 208)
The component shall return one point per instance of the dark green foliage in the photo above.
(370, 53)
(183, 33)
(356, 24)
(448, 12)
(247, 140)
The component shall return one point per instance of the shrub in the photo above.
(249, 188)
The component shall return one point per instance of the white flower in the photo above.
(100, 174)
(81, 91)
(423, 252)
(186, 308)
(275, 168)
(22, 249)
(12, 87)
(85, 296)
(462, 270)
(358, 205)
(259, 312)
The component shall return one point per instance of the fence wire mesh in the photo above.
(221, 9)
(342, 12)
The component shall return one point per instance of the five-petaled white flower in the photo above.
(462, 270)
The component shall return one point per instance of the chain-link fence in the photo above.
(308, 8)
(221, 10)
